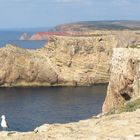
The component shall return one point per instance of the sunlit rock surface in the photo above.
(123, 126)
(63, 61)
(124, 84)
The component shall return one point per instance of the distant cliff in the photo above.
(86, 28)
(46, 35)
(64, 61)
(99, 25)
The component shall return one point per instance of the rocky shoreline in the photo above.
(123, 126)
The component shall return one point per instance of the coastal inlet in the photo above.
(28, 108)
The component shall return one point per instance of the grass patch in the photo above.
(129, 106)
(135, 46)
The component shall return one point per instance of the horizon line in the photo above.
(49, 27)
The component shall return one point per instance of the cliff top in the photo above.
(104, 128)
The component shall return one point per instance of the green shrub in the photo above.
(129, 106)
(134, 46)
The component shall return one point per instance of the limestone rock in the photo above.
(104, 128)
(125, 78)
(24, 67)
(64, 61)
(43, 128)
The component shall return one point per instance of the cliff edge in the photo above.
(63, 61)
(104, 128)
(124, 84)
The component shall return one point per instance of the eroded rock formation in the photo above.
(64, 61)
(24, 67)
(124, 82)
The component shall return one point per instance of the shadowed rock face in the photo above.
(64, 61)
(124, 82)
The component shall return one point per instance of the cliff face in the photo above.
(47, 35)
(65, 61)
(81, 61)
(24, 67)
(124, 82)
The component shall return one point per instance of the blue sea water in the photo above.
(28, 108)
(12, 37)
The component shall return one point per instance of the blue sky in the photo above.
(44, 13)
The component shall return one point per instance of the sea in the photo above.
(28, 108)
(13, 37)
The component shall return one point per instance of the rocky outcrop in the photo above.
(24, 36)
(124, 82)
(20, 67)
(63, 61)
(81, 61)
(104, 128)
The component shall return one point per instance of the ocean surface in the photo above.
(28, 108)
(12, 37)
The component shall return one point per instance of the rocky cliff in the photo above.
(63, 61)
(47, 35)
(124, 82)
(24, 67)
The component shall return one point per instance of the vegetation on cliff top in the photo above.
(99, 25)
(128, 107)
(135, 46)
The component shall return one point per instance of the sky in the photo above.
(49, 13)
